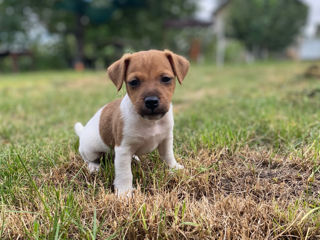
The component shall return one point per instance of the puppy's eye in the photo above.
(166, 79)
(134, 82)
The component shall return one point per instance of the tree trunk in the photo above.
(221, 42)
(79, 35)
(249, 57)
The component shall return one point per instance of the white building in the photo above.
(309, 47)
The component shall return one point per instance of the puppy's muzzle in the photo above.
(152, 109)
(151, 102)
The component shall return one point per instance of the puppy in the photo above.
(141, 121)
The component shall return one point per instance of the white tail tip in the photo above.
(78, 127)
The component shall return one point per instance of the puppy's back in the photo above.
(111, 124)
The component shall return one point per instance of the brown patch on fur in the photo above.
(149, 67)
(111, 124)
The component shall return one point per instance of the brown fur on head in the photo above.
(149, 73)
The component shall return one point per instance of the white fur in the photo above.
(140, 136)
(78, 127)
(91, 145)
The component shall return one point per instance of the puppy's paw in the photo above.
(177, 166)
(136, 158)
(93, 167)
(124, 192)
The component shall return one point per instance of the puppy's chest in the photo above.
(145, 139)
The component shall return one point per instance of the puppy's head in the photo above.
(149, 77)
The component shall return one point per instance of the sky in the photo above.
(206, 7)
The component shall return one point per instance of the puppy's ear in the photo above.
(118, 71)
(179, 64)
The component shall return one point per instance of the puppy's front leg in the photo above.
(165, 149)
(123, 178)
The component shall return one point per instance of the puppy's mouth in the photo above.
(152, 115)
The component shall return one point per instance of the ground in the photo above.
(248, 136)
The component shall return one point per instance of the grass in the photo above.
(248, 136)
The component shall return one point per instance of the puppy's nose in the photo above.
(151, 102)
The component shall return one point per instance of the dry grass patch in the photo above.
(219, 195)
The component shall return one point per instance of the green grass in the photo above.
(248, 135)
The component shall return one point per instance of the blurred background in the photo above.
(90, 34)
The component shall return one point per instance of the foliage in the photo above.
(13, 24)
(97, 30)
(266, 24)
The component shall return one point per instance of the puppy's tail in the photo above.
(78, 127)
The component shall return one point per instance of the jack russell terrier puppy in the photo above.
(141, 121)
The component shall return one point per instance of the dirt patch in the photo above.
(312, 71)
(86, 82)
(265, 177)
(191, 98)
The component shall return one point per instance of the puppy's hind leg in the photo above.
(92, 158)
(136, 158)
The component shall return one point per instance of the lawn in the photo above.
(248, 136)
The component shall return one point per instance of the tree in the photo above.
(11, 25)
(96, 24)
(266, 25)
